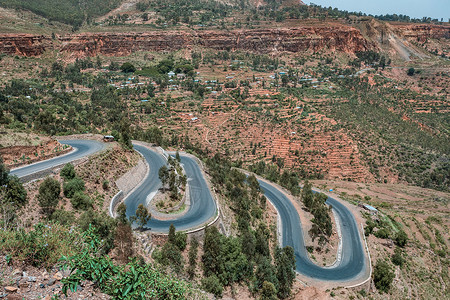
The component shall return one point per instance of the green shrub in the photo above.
(397, 258)
(212, 285)
(383, 276)
(136, 280)
(72, 186)
(15, 192)
(68, 172)
(49, 195)
(63, 217)
(104, 227)
(382, 233)
(81, 201)
(42, 246)
(401, 238)
(127, 68)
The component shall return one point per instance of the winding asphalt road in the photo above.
(202, 207)
(352, 263)
(82, 148)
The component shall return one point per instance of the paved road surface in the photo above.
(82, 148)
(353, 258)
(202, 208)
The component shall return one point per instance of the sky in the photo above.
(436, 9)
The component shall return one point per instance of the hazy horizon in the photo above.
(435, 9)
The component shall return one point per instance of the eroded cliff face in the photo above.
(422, 32)
(272, 40)
(345, 39)
(24, 44)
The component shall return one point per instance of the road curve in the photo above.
(353, 262)
(202, 208)
(82, 148)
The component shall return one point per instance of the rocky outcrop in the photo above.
(24, 44)
(423, 32)
(339, 38)
(344, 39)
(271, 40)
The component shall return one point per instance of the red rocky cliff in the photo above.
(345, 39)
(24, 44)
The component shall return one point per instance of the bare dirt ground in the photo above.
(21, 148)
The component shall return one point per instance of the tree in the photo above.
(285, 261)
(411, 71)
(177, 156)
(49, 195)
(268, 292)
(154, 135)
(45, 122)
(68, 172)
(122, 213)
(163, 175)
(307, 195)
(212, 247)
(142, 216)
(127, 68)
(125, 139)
(172, 234)
(113, 66)
(265, 272)
(4, 173)
(383, 276)
(192, 256)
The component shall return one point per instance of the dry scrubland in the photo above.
(356, 104)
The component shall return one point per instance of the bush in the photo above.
(81, 201)
(72, 186)
(49, 195)
(268, 292)
(382, 233)
(105, 184)
(68, 172)
(411, 71)
(104, 227)
(136, 280)
(127, 68)
(212, 285)
(42, 246)
(171, 256)
(397, 258)
(15, 192)
(401, 238)
(383, 276)
(63, 217)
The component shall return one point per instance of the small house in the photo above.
(171, 74)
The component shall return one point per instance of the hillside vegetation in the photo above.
(71, 12)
